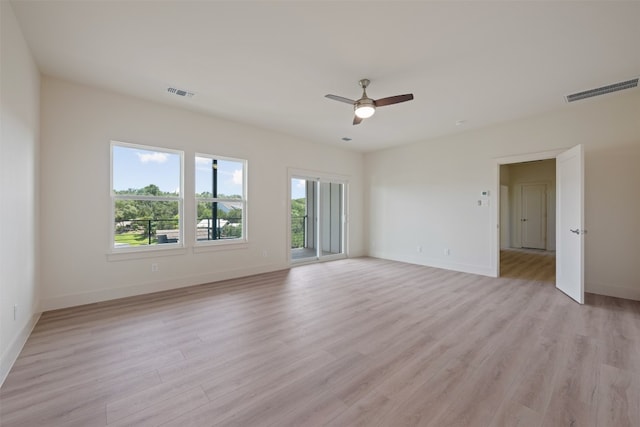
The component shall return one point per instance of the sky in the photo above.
(229, 176)
(297, 188)
(137, 168)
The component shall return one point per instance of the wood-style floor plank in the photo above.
(355, 342)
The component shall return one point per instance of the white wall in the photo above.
(541, 172)
(19, 240)
(426, 193)
(78, 123)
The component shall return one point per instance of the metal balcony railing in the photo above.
(158, 231)
(298, 232)
(226, 228)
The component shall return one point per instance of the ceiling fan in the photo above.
(365, 107)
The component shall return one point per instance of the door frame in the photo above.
(320, 177)
(495, 212)
(504, 208)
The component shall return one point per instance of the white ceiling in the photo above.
(269, 64)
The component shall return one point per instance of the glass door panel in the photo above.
(317, 212)
(303, 219)
(331, 214)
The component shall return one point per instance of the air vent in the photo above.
(629, 84)
(180, 92)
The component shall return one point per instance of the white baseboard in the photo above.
(613, 291)
(13, 351)
(72, 300)
(436, 263)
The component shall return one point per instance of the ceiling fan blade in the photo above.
(341, 99)
(393, 100)
(357, 120)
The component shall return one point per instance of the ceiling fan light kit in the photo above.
(365, 107)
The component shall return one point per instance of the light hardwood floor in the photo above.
(529, 264)
(356, 342)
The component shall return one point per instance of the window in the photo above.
(146, 192)
(220, 199)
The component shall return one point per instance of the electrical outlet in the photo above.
(154, 267)
(447, 251)
(419, 249)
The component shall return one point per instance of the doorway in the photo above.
(569, 210)
(316, 219)
(527, 221)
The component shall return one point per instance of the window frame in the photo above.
(113, 249)
(243, 240)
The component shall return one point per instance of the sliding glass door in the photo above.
(317, 219)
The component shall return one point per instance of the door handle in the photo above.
(576, 231)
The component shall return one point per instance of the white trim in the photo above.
(72, 300)
(613, 291)
(220, 245)
(529, 157)
(482, 270)
(153, 251)
(13, 351)
(216, 157)
(327, 176)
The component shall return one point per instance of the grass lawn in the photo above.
(134, 239)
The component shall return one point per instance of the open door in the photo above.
(570, 223)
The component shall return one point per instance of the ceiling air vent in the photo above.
(180, 92)
(629, 84)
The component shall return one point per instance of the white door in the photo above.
(570, 223)
(533, 224)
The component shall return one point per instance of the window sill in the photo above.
(220, 246)
(129, 254)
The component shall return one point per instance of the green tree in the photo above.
(162, 214)
(151, 190)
